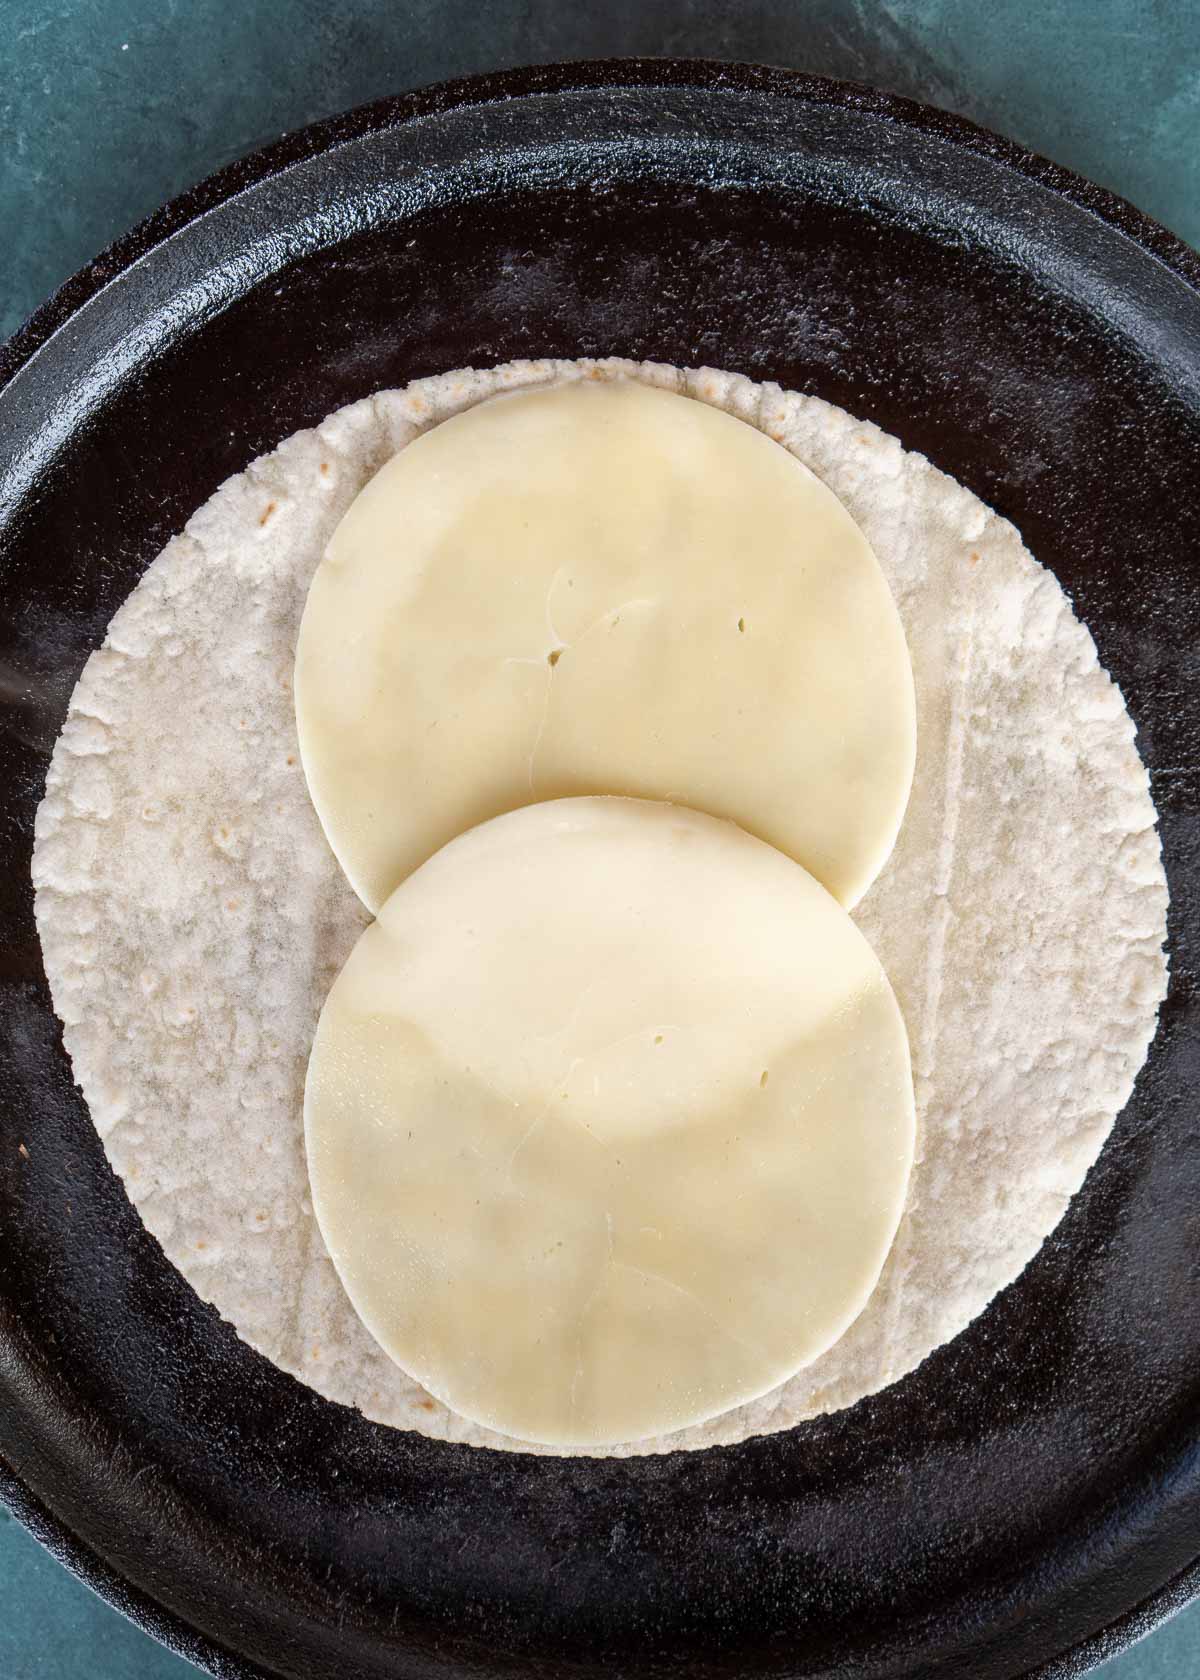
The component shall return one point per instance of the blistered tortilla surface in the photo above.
(193, 918)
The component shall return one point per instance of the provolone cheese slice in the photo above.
(602, 588)
(609, 1121)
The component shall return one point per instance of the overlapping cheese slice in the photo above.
(609, 1121)
(602, 588)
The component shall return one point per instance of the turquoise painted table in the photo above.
(108, 107)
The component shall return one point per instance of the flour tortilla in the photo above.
(193, 919)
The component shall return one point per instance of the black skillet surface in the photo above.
(1034, 1489)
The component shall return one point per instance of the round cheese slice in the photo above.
(609, 1121)
(602, 588)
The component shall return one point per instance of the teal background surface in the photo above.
(108, 107)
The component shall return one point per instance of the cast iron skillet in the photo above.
(1034, 1490)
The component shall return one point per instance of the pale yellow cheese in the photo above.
(602, 588)
(609, 1121)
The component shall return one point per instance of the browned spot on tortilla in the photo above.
(427, 1405)
(324, 466)
(974, 557)
(266, 513)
